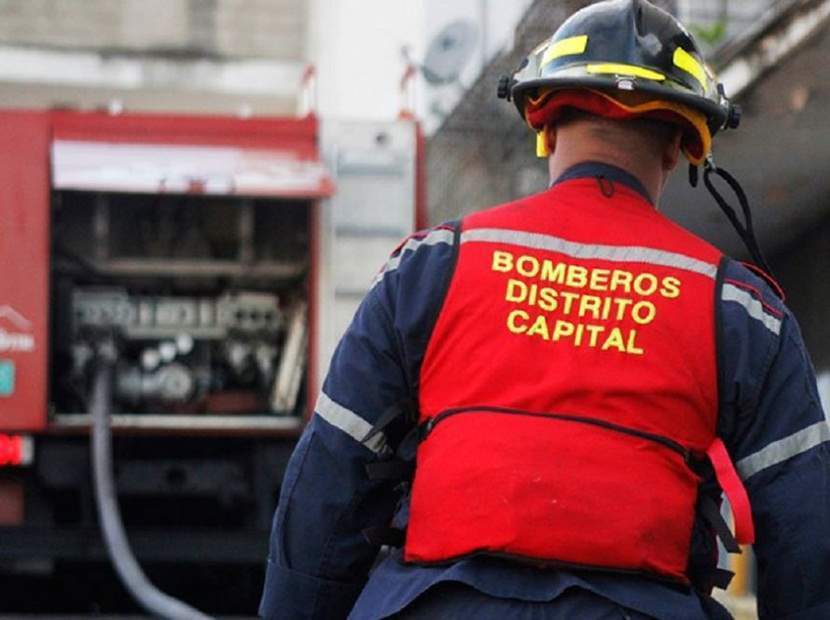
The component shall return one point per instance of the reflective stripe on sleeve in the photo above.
(350, 423)
(435, 237)
(754, 308)
(620, 254)
(784, 449)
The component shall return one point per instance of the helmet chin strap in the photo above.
(744, 229)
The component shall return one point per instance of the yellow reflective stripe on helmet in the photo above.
(620, 69)
(690, 65)
(571, 46)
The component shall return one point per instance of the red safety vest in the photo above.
(569, 381)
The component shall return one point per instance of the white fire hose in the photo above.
(153, 600)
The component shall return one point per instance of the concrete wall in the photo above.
(715, 21)
(216, 56)
(802, 272)
(227, 28)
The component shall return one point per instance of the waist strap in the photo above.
(734, 490)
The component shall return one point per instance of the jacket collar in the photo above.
(596, 169)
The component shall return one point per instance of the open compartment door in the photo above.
(194, 241)
(186, 169)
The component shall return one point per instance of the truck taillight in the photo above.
(16, 450)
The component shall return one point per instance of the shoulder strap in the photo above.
(456, 226)
(724, 426)
(772, 282)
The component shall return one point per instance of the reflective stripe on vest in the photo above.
(570, 376)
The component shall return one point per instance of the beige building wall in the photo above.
(227, 56)
(224, 28)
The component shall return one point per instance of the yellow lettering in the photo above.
(621, 280)
(548, 301)
(577, 277)
(632, 347)
(644, 312)
(511, 321)
(596, 331)
(569, 298)
(516, 291)
(534, 294)
(553, 272)
(563, 329)
(606, 308)
(502, 261)
(599, 279)
(671, 288)
(646, 284)
(622, 306)
(590, 304)
(583, 318)
(528, 266)
(540, 327)
(580, 332)
(615, 341)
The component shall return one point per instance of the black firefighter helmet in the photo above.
(622, 49)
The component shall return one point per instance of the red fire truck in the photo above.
(219, 258)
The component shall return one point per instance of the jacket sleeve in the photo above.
(318, 558)
(778, 436)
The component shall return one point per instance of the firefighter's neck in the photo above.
(649, 160)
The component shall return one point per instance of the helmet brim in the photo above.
(715, 113)
(544, 112)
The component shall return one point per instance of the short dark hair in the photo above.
(660, 132)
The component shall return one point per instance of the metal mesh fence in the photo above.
(714, 22)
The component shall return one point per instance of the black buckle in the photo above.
(385, 536)
(390, 470)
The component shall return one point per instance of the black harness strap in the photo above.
(391, 414)
(402, 467)
(721, 578)
(710, 511)
(390, 470)
(385, 536)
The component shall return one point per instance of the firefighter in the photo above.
(537, 409)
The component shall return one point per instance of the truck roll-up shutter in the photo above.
(188, 155)
(153, 168)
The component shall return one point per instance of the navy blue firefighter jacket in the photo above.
(770, 419)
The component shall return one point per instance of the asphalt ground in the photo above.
(81, 590)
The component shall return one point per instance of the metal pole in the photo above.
(484, 11)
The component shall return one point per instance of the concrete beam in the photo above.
(777, 34)
(134, 73)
